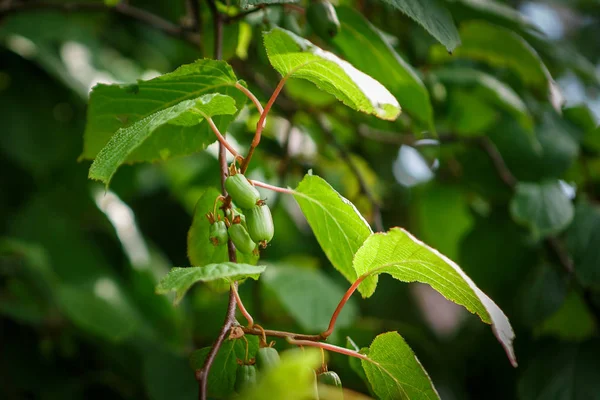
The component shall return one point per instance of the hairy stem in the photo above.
(202, 375)
(251, 96)
(341, 305)
(271, 187)
(221, 138)
(261, 123)
(328, 347)
(281, 334)
(240, 305)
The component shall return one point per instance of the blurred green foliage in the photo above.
(485, 164)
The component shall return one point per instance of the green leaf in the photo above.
(583, 237)
(293, 379)
(407, 259)
(365, 48)
(502, 47)
(491, 89)
(101, 310)
(222, 376)
(543, 207)
(200, 250)
(545, 294)
(491, 11)
(112, 107)
(293, 56)
(188, 113)
(562, 371)
(179, 280)
(318, 294)
(469, 115)
(434, 17)
(394, 371)
(336, 223)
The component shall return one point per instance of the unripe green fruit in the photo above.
(241, 239)
(267, 358)
(330, 378)
(323, 19)
(260, 224)
(246, 377)
(218, 233)
(243, 193)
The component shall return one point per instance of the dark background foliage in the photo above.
(78, 313)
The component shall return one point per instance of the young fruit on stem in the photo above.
(260, 224)
(267, 358)
(323, 19)
(241, 239)
(245, 378)
(242, 192)
(218, 233)
(330, 378)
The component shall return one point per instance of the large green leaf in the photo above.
(573, 321)
(112, 107)
(487, 87)
(434, 17)
(336, 223)
(318, 294)
(200, 250)
(502, 47)
(560, 371)
(293, 379)
(406, 258)
(492, 11)
(543, 207)
(394, 371)
(583, 238)
(293, 56)
(188, 113)
(179, 280)
(363, 46)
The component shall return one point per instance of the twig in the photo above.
(244, 14)
(194, 12)
(14, 7)
(240, 305)
(271, 187)
(202, 375)
(222, 140)
(490, 148)
(281, 334)
(341, 304)
(261, 123)
(364, 188)
(329, 347)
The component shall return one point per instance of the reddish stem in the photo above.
(280, 334)
(240, 305)
(341, 305)
(329, 347)
(271, 187)
(251, 96)
(222, 139)
(261, 124)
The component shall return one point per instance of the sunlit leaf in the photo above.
(434, 17)
(188, 113)
(543, 207)
(337, 225)
(407, 259)
(363, 46)
(112, 107)
(293, 56)
(394, 371)
(179, 280)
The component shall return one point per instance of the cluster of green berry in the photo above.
(268, 358)
(248, 229)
